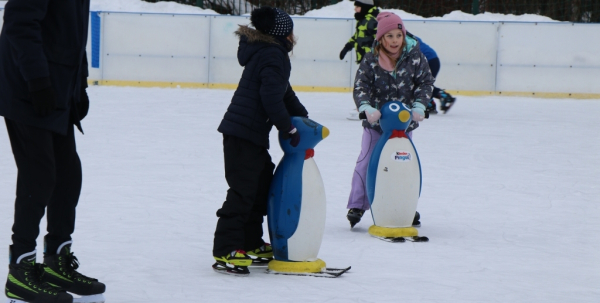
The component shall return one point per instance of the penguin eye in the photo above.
(394, 107)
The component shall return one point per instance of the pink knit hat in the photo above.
(387, 21)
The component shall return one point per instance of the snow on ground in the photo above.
(344, 9)
(509, 201)
(147, 7)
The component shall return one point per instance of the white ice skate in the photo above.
(353, 115)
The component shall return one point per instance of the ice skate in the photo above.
(61, 271)
(431, 109)
(25, 283)
(261, 255)
(354, 215)
(417, 220)
(447, 101)
(234, 263)
(353, 115)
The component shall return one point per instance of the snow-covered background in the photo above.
(509, 201)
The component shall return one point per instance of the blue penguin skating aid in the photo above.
(394, 178)
(297, 205)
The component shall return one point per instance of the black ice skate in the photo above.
(354, 215)
(234, 263)
(447, 101)
(416, 220)
(25, 282)
(431, 109)
(61, 271)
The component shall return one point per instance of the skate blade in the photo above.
(230, 273)
(99, 298)
(403, 239)
(259, 263)
(325, 273)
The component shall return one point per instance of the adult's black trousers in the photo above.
(48, 179)
(248, 171)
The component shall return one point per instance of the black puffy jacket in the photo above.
(264, 96)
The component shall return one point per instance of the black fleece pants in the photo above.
(49, 178)
(248, 171)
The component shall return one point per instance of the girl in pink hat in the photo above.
(396, 70)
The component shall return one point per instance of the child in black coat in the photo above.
(264, 98)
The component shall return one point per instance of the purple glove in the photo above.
(293, 134)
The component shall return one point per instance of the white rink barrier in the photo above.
(553, 59)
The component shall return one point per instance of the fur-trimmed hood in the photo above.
(254, 35)
(251, 41)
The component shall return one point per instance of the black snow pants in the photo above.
(49, 178)
(248, 171)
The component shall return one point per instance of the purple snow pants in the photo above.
(358, 193)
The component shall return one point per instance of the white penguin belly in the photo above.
(305, 243)
(397, 185)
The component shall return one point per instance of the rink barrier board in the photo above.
(485, 58)
(300, 88)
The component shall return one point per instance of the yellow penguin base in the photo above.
(392, 232)
(297, 267)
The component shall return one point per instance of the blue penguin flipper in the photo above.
(372, 167)
(284, 204)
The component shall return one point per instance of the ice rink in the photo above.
(509, 202)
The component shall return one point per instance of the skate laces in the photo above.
(72, 264)
(34, 274)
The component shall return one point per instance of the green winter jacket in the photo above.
(366, 30)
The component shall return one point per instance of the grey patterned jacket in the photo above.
(410, 82)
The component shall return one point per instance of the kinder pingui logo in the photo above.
(401, 156)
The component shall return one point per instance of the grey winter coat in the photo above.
(410, 82)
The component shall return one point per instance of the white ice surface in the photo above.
(509, 201)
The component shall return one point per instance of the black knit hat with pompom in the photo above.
(272, 21)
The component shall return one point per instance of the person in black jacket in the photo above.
(264, 98)
(43, 78)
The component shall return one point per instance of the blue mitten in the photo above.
(372, 114)
(418, 111)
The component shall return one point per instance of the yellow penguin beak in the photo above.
(325, 132)
(404, 116)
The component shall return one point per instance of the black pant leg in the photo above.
(254, 231)
(62, 204)
(34, 156)
(244, 165)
